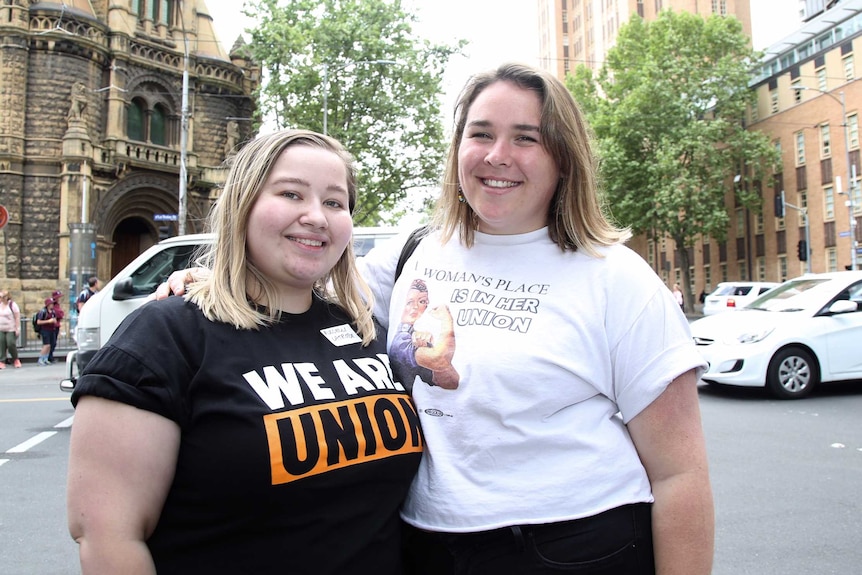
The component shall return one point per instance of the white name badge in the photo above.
(341, 335)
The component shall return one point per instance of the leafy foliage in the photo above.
(667, 107)
(386, 114)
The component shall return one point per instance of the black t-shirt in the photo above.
(297, 448)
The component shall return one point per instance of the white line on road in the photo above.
(33, 441)
(65, 423)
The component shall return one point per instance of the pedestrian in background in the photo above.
(87, 292)
(10, 327)
(47, 321)
(59, 314)
(677, 294)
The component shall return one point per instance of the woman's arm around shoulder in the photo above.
(121, 465)
(669, 438)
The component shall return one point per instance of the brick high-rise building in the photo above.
(92, 136)
(573, 32)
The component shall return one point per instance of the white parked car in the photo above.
(731, 296)
(805, 331)
(130, 288)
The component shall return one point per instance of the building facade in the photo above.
(808, 100)
(103, 106)
(574, 32)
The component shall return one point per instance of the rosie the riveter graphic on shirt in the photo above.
(425, 342)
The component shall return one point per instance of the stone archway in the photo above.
(124, 216)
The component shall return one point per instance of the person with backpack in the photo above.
(87, 292)
(47, 326)
(10, 327)
(59, 314)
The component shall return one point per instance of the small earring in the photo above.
(461, 197)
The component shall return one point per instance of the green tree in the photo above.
(668, 109)
(381, 83)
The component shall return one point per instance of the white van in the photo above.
(129, 289)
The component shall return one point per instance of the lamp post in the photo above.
(184, 131)
(851, 171)
(326, 84)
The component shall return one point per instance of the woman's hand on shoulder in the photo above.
(177, 282)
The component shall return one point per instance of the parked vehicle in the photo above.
(806, 331)
(731, 296)
(128, 290)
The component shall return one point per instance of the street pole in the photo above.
(326, 85)
(804, 212)
(184, 132)
(851, 180)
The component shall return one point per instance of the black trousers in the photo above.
(616, 542)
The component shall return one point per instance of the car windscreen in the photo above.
(147, 278)
(789, 296)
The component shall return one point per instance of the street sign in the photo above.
(165, 217)
(844, 234)
(4, 216)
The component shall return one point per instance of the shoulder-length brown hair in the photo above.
(575, 216)
(237, 292)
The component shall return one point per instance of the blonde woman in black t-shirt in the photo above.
(252, 426)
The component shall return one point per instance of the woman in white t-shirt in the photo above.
(572, 441)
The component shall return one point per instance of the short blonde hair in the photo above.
(224, 295)
(576, 218)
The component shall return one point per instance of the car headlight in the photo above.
(87, 338)
(753, 336)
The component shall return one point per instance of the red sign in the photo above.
(4, 216)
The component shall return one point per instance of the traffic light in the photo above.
(779, 205)
(802, 250)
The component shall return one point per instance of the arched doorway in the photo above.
(131, 237)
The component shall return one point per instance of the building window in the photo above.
(145, 123)
(825, 142)
(741, 270)
(857, 197)
(135, 120)
(800, 149)
(828, 203)
(691, 277)
(157, 11)
(820, 73)
(782, 268)
(723, 271)
(796, 85)
(831, 260)
(740, 223)
(849, 72)
(761, 269)
(157, 125)
(707, 279)
(773, 100)
(853, 128)
(759, 223)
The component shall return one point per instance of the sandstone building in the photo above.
(103, 105)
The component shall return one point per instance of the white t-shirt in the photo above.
(555, 352)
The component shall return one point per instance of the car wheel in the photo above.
(792, 374)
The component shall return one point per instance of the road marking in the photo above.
(65, 423)
(33, 441)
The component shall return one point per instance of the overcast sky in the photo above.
(499, 31)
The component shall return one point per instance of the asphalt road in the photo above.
(786, 478)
